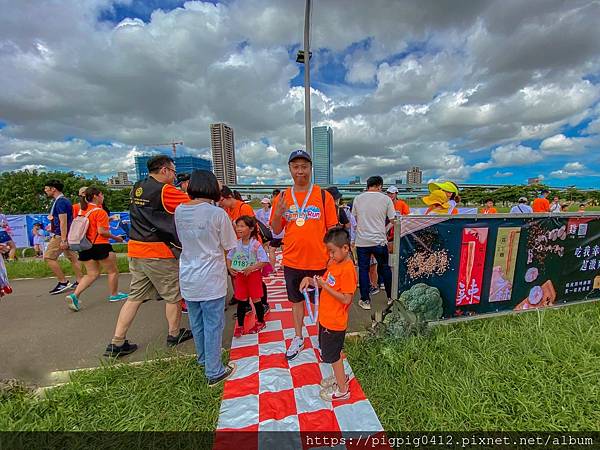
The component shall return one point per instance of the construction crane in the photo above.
(173, 144)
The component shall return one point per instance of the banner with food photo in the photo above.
(517, 263)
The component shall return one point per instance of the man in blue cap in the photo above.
(305, 212)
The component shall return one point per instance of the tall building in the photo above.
(414, 176)
(183, 164)
(120, 181)
(322, 149)
(223, 152)
(356, 180)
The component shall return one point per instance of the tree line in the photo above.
(22, 192)
(509, 195)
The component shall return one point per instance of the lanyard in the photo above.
(301, 210)
(313, 316)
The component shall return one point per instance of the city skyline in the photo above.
(501, 91)
(222, 143)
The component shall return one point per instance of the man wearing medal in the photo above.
(305, 212)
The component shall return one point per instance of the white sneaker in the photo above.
(390, 301)
(328, 382)
(364, 305)
(295, 348)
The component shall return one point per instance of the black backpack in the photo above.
(264, 232)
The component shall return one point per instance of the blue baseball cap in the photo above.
(299, 154)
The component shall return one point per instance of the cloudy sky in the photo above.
(475, 91)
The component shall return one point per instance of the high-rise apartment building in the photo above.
(322, 149)
(223, 153)
(414, 176)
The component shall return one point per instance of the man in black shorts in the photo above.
(305, 212)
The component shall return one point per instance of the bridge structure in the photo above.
(349, 191)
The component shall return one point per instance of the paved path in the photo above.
(269, 393)
(41, 336)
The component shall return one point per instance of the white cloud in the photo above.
(427, 85)
(499, 174)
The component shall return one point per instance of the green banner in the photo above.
(529, 262)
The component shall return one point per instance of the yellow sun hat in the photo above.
(437, 197)
(447, 186)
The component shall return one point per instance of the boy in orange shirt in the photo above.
(541, 204)
(337, 291)
(489, 207)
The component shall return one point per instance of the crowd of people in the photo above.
(188, 233)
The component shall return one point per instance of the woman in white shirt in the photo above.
(206, 234)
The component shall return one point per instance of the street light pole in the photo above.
(307, 119)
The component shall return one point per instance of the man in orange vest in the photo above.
(541, 204)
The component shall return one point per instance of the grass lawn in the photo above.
(533, 371)
(162, 395)
(37, 268)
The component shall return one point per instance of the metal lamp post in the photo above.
(302, 59)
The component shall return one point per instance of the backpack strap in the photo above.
(324, 213)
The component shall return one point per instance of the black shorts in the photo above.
(98, 252)
(331, 343)
(275, 243)
(293, 278)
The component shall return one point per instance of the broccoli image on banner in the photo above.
(409, 316)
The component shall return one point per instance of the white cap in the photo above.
(392, 190)
(266, 200)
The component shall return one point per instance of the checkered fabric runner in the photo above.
(270, 393)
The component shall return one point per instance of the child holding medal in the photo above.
(245, 263)
(337, 290)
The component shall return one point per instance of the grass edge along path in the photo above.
(535, 371)
(37, 268)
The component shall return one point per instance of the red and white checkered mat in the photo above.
(269, 393)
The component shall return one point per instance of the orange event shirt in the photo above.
(402, 207)
(333, 314)
(541, 205)
(303, 247)
(171, 199)
(98, 218)
(239, 209)
(491, 210)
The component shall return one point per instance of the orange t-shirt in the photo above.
(239, 209)
(303, 246)
(171, 199)
(402, 207)
(76, 208)
(98, 218)
(541, 205)
(491, 210)
(333, 314)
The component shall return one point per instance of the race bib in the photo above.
(241, 261)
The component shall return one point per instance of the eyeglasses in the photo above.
(172, 170)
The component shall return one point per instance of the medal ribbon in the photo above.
(312, 316)
(301, 210)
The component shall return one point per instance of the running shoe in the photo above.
(295, 348)
(229, 370)
(257, 327)
(116, 351)
(330, 381)
(118, 297)
(60, 287)
(184, 335)
(374, 290)
(238, 331)
(364, 305)
(72, 302)
(333, 394)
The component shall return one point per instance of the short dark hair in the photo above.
(56, 184)
(338, 236)
(489, 200)
(204, 184)
(375, 180)
(237, 195)
(226, 192)
(157, 162)
(545, 191)
(276, 192)
(250, 223)
(581, 204)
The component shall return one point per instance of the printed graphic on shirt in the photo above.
(310, 213)
(330, 279)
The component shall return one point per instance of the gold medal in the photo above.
(300, 221)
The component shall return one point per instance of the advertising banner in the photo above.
(18, 230)
(484, 264)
